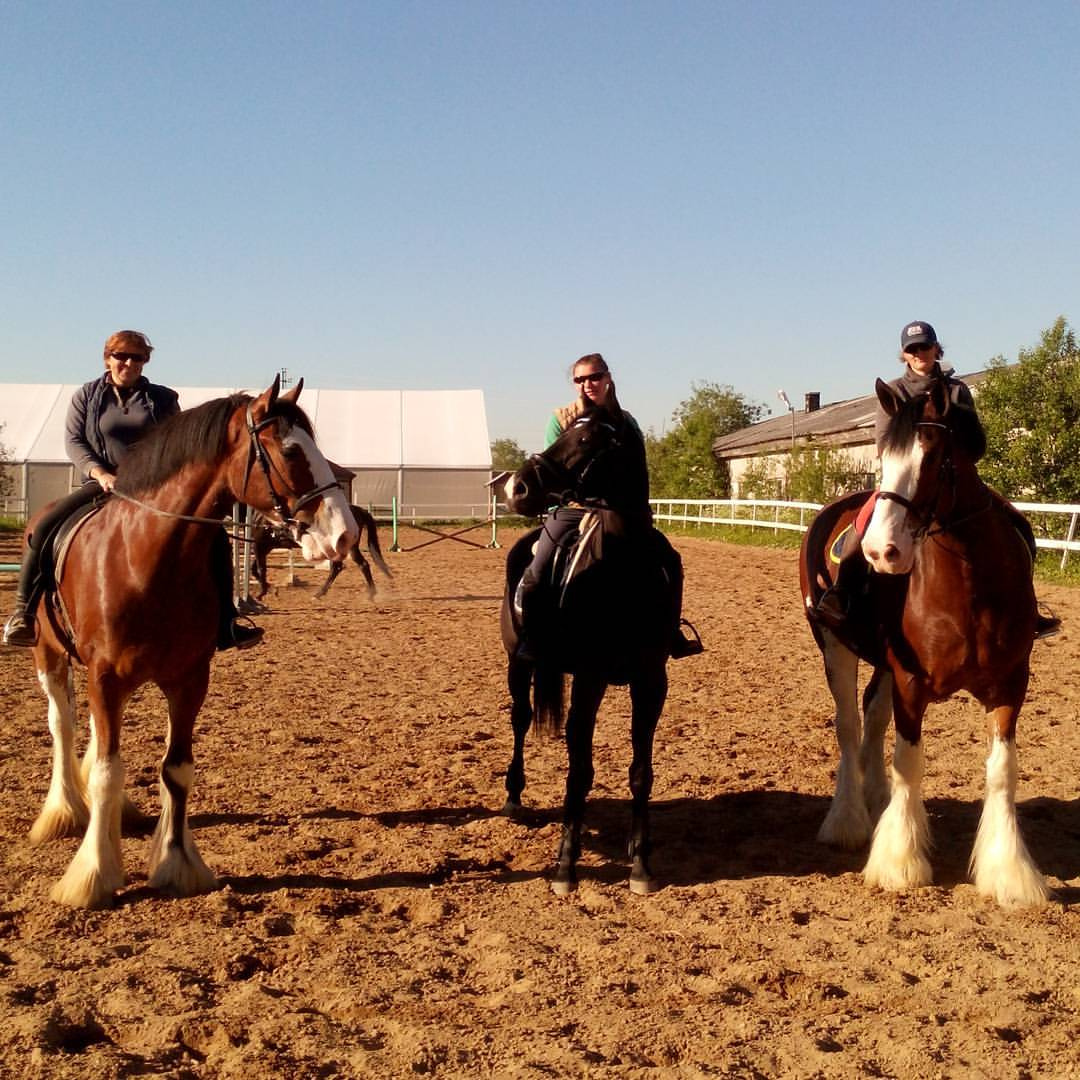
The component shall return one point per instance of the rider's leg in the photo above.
(837, 602)
(671, 561)
(19, 628)
(1045, 625)
(231, 632)
(557, 527)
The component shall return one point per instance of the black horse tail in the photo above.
(371, 531)
(549, 700)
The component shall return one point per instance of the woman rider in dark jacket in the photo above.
(105, 418)
(921, 353)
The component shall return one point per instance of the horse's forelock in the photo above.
(900, 433)
(292, 414)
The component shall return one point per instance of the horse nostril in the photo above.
(892, 553)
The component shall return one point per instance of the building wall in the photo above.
(862, 459)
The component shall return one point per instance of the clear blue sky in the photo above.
(472, 194)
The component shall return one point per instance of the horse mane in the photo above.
(968, 430)
(193, 436)
(963, 421)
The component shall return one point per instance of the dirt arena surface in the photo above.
(378, 917)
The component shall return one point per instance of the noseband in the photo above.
(257, 452)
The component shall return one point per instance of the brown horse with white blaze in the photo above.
(955, 610)
(135, 602)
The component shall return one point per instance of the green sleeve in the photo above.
(554, 430)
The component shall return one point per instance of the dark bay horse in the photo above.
(135, 602)
(267, 537)
(610, 624)
(953, 608)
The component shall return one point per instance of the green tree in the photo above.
(821, 474)
(1031, 413)
(7, 484)
(506, 455)
(681, 462)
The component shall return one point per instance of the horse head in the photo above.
(586, 463)
(293, 484)
(929, 446)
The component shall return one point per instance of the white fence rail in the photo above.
(776, 514)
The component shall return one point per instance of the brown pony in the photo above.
(135, 602)
(267, 537)
(953, 609)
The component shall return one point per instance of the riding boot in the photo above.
(1046, 626)
(20, 628)
(682, 645)
(233, 633)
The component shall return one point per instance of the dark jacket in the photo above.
(911, 384)
(100, 427)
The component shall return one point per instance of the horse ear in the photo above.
(291, 395)
(261, 405)
(890, 400)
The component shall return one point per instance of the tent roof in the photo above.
(367, 429)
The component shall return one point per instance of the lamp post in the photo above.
(791, 409)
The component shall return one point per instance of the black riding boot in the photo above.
(20, 629)
(232, 633)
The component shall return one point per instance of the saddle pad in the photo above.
(862, 518)
(61, 542)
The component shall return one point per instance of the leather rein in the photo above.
(256, 453)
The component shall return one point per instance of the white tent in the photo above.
(429, 449)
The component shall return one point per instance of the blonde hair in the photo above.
(128, 341)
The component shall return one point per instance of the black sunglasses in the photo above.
(593, 376)
(919, 348)
(129, 357)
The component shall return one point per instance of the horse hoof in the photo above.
(511, 809)
(563, 888)
(643, 886)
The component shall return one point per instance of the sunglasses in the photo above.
(915, 349)
(129, 357)
(592, 377)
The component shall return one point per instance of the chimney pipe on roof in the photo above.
(813, 401)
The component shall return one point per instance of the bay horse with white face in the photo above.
(954, 609)
(135, 602)
(267, 537)
(607, 624)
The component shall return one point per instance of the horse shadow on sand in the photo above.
(698, 841)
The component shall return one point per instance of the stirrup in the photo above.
(681, 645)
(1046, 625)
(20, 630)
(242, 634)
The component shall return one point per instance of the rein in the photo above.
(256, 452)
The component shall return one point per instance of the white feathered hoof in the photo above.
(182, 874)
(55, 822)
(83, 887)
(849, 831)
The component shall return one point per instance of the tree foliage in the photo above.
(7, 485)
(1031, 413)
(506, 455)
(681, 462)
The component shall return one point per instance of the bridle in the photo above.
(257, 453)
(946, 473)
(563, 477)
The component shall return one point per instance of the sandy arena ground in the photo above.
(379, 918)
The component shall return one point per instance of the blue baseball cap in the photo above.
(917, 333)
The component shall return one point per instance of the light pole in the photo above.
(791, 408)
